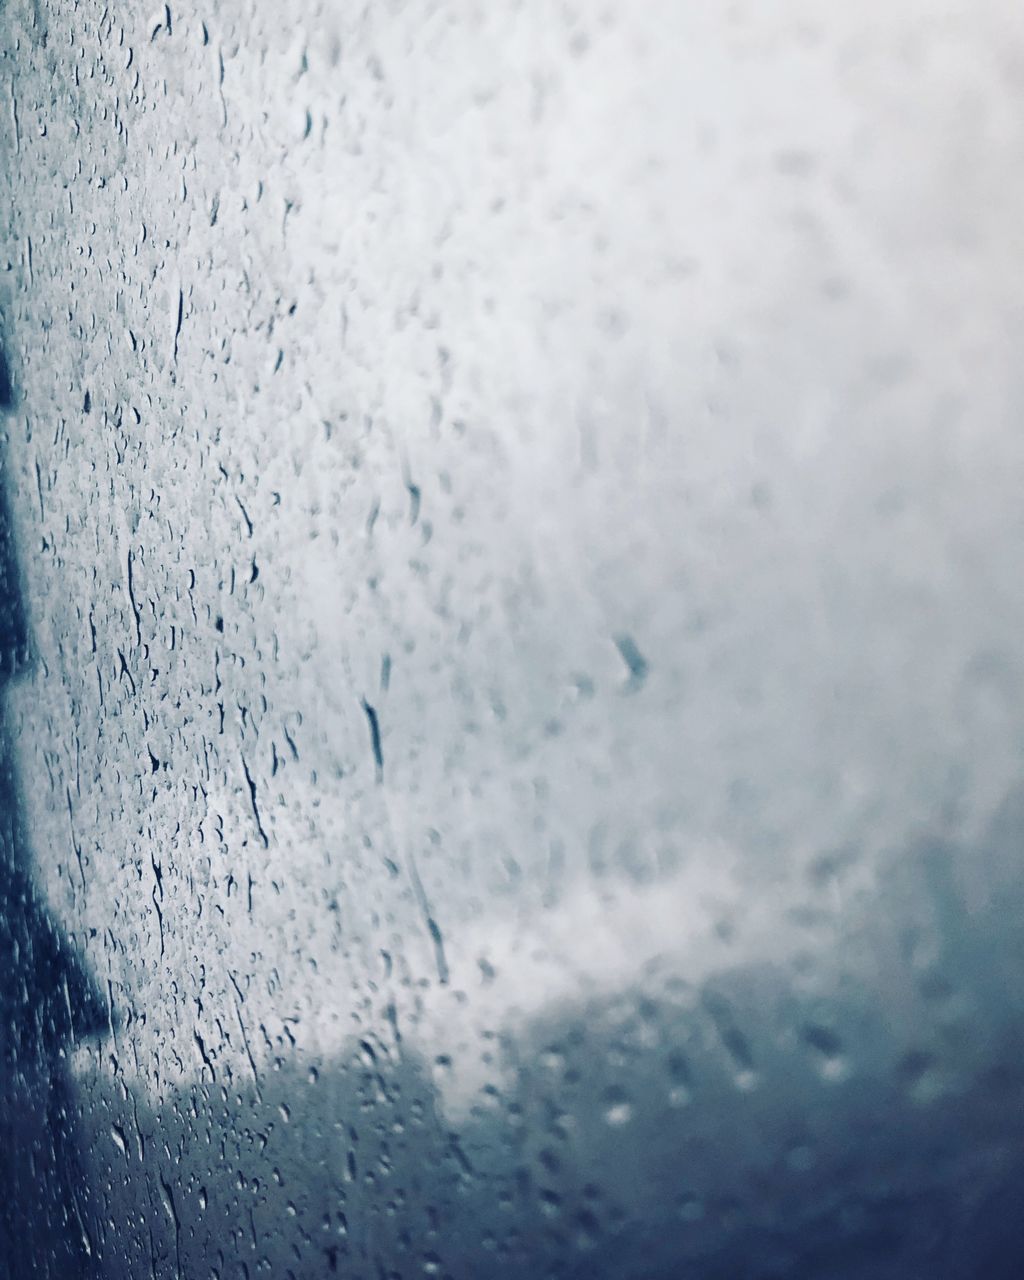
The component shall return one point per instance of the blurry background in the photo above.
(514, 579)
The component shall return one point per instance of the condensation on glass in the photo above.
(511, 613)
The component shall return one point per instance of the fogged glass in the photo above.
(510, 640)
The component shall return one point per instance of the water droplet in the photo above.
(618, 1110)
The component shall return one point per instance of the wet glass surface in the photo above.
(510, 614)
